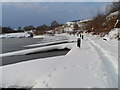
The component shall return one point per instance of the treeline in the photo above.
(43, 28)
(103, 23)
(7, 30)
(38, 30)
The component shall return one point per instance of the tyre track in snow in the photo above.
(111, 67)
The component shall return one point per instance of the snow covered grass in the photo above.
(68, 29)
(27, 73)
(39, 36)
(112, 15)
(96, 61)
(56, 37)
(15, 35)
(113, 34)
(110, 63)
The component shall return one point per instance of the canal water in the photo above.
(15, 44)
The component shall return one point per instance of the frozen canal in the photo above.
(16, 44)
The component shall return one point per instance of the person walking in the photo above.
(31, 34)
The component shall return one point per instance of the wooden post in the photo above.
(78, 42)
(82, 37)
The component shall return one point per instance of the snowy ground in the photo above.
(15, 35)
(57, 37)
(94, 65)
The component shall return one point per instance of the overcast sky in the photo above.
(17, 14)
(58, 0)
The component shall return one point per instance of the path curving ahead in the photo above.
(85, 67)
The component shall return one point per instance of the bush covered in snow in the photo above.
(104, 23)
(113, 34)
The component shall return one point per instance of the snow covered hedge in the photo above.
(113, 34)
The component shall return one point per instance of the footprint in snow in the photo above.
(90, 68)
(76, 66)
(104, 76)
(100, 75)
(65, 67)
(48, 85)
(87, 53)
(94, 87)
(49, 76)
(54, 69)
(95, 75)
(44, 82)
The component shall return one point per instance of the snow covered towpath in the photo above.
(82, 68)
(85, 67)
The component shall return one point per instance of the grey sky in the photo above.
(17, 14)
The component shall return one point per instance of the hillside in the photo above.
(101, 25)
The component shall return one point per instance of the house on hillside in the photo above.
(72, 22)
